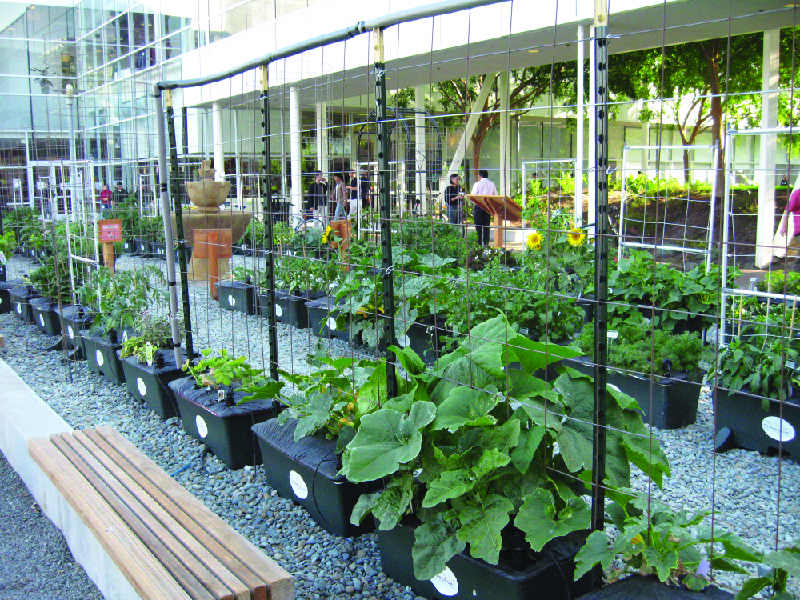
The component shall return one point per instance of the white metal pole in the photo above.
(580, 110)
(295, 150)
(219, 149)
(592, 175)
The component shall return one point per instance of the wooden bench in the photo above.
(165, 541)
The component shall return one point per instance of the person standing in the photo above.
(483, 187)
(105, 198)
(453, 198)
(792, 212)
(352, 194)
(119, 196)
(339, 196)
(317, 196)
(365, 191)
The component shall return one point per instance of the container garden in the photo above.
(226, 430)
(44, 252)
(322, 314)
(742, 421)
(150, 383)
(101, 356)
(238, 296)
(45, 316)
(673, 403)
(21, 296)
(548, 577)
(290, 307)
(637, 587)
(75, 318)
(130, 246)
(145, 248)
(424, 338)
(306, 471)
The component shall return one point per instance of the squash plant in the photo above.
(469, 447)
(217, 371)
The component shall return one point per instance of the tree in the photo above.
(526, 85)
(713, 76)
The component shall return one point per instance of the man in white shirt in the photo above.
(483, 187)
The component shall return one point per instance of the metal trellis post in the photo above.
(272, 319)
(385, 210)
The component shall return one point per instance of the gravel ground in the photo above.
(753, 496)
(37, 563)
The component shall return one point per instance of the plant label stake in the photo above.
(148, 354)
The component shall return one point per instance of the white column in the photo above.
(421, 147)
(767, 151)
(592, 175)
(472, 122)
(580, 109)
(321, 109)
(295, 150)
(219, 151)
(505, 131)
(237, 160)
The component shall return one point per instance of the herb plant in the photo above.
(151, 329)
(52, 280)
(222, 370)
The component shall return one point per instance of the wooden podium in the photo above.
(502, 208)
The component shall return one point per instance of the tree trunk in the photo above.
(686, 173)
(711, 54)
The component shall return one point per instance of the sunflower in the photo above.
(534, 240)
(576, 237)
(326, 235)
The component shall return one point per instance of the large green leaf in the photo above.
(752, 586)
(482, 524)
(502, 437)
(596, 550)
(409, 359)
(385, 440)
(541, 523)
(491, 460)
(451, 484)
(529, 440)
(466, 406)
(434, 544)
(393, 503)
(536, 355)
(663, 563)
(787, 560)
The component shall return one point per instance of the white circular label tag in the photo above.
(778, 429)
(231, 300)
(331, 323)
(70, 332)
(124, 336)
(19, 308)
(41, 319)
(202, 428)
(445, 583)
(99, 356)
(278, 310)
(298, 485)
(142, 387)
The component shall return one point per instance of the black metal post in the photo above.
(601, 272)
(272, 319)
(175, 192)
(385, 211)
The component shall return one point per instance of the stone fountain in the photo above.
(205, 222)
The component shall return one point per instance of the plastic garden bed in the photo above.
(150, 384)
(238, 296)
(45, 316)
(290, 307)
(101, 357)
(21, 296)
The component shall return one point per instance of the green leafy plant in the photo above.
(784, 563)
(654, 539)
(781, 282)
(223, 370)
(151, 329)
(480, 435)
(8, 241)
(52, 280)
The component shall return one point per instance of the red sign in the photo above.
(110, 230)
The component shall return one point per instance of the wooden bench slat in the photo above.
(205, 567)
(164, 498)
(281, 583)
(147, 575)
(175, 566)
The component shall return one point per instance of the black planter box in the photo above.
(158, 250)
(151, 384)
(741, 421)
(21, 296)
(130, 246)
(466, 578)
(306, 472)
(290, 307)
(674, 399)
(75, 319)
(45, 316)
(101, 357)
(226, 430)
(637, 587)
(424, 338)
(144, 248)
(322, 314)
(6, 306)
(238, 296)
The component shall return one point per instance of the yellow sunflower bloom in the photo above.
(534, 241)
(326, 235)
(575, 236)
